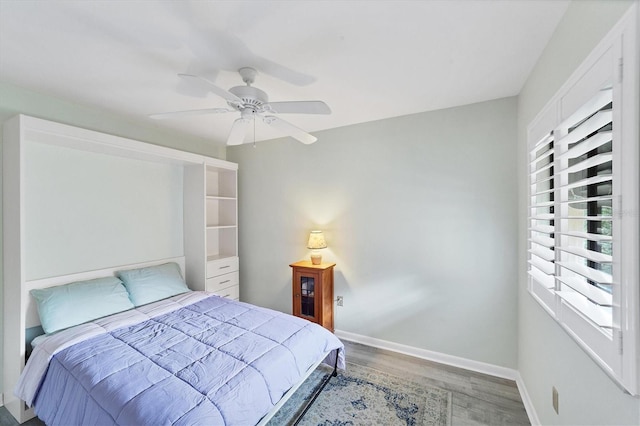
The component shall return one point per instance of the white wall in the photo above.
(16, 100)
(89, 211)
(547, 356)
(420, 216)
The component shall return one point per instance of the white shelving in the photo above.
(213, 211)
(221, 206)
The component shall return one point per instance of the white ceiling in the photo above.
(367, 60)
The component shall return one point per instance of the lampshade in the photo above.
(316, 240)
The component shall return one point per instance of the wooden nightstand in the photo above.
(313, 292)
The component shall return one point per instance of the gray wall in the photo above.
(16, 100)
(547, 356)
(419, 213)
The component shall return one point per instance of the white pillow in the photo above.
(71, 304)
(146, 285)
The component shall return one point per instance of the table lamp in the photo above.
(316, 242)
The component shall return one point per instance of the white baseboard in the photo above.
(526, 400)
(467, 364)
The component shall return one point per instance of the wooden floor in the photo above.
(6, 419)
(478, 399)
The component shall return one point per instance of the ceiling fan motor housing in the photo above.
(252, 97)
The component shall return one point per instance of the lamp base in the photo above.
(316, 259)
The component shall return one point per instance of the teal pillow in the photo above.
(146, 285)
(76, 303)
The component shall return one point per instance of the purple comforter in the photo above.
(212, 362)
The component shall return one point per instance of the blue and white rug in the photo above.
(363, 396)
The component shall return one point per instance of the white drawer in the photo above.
(216, 284)
(222, 266)
(232, 292)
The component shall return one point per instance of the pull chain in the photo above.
(254, 130)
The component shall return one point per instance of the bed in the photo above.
(81, 205)
(187, 357)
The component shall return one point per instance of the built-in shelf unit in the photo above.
(209, 225)
(211, 193)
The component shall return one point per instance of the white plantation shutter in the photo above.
(584, 251)
(541, 212)
(584, 204)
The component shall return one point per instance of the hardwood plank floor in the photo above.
(478, 399)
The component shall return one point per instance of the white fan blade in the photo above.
(238, 131)
(299, 107)
(230, 97)
(163, 115)
(290, 129)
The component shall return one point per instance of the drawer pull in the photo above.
(225, 281)
(225, 266)
(227, 295)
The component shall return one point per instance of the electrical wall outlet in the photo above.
(339, 299)
(554, 399)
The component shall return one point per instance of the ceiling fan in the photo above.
(252, 102)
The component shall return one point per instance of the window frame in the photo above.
(616, 57)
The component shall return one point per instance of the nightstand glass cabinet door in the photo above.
(306, 291)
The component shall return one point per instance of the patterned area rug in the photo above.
(363, 396)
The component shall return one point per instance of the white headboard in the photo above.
(32, 318)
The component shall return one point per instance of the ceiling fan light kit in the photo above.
(252, 102)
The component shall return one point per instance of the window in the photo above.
(584, 206)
